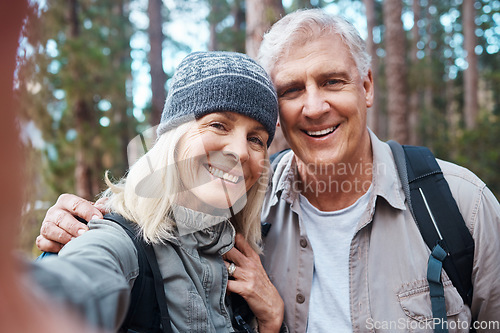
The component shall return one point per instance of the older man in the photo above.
(343, 249)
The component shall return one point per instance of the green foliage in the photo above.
(73, 73)
(478, 151)
(228, 19)
(68, 70)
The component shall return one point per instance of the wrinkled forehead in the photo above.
(301, 37)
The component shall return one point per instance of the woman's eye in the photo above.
(256, 140)
(217, 126)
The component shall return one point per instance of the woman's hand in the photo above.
(252, 283)
(60, 224)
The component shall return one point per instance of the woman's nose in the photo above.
(237, 146)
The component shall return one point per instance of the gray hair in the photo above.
(306, 25)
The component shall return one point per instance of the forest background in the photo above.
(92, 75)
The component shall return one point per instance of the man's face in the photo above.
(323, 102)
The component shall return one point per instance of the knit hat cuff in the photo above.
(229, 92)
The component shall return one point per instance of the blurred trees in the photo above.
(74, 71)
(158, 76)
(72, 83)
(395, 71)
(435, 65)
(261, 14)
(471, 72)
(450, 77)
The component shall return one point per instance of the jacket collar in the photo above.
(205, 232)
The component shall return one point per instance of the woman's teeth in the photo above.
(322, 132)
(224, 175)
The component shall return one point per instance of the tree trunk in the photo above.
(452, 113)
(239, 16)
(212, 23)
(123, 124)
(260, 15)
(373, 113)
(396, 71)
(238, 13)
(83, 120)
(471, 107)
(158, 76)
(428, 73)
(414, 103)
(212, 42)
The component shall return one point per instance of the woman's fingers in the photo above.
(250, 280)
(241, 252)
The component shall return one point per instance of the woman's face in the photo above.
(219, 159)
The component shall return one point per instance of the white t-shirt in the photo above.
(330, 235)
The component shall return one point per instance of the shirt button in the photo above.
(303, 242)
(300, 298)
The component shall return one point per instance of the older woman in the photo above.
(200, 185)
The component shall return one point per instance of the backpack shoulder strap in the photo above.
(436, 213)
(148, 311)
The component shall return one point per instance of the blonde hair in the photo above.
(147, 194)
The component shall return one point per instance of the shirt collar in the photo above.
(283, 178)
(385, 181)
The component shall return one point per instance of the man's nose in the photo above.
(315, 104)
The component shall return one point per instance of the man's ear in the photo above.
(369, 88)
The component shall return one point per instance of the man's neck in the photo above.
(336, 186)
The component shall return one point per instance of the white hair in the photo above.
(147, 194)
(306, 25)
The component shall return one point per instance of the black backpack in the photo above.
(439, 220)
(148, 312)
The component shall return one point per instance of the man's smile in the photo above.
(322, 132)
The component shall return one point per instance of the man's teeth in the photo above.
(224, 175)
(322, 132)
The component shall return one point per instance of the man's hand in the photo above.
(60, 224)
(252, 283)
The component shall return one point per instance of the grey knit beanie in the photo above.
(206, 82)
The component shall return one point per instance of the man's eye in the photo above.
(289, 92)
(333, 82)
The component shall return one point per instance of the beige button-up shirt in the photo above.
(388, 257)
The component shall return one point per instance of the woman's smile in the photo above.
(226, 176)
(220, 159)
